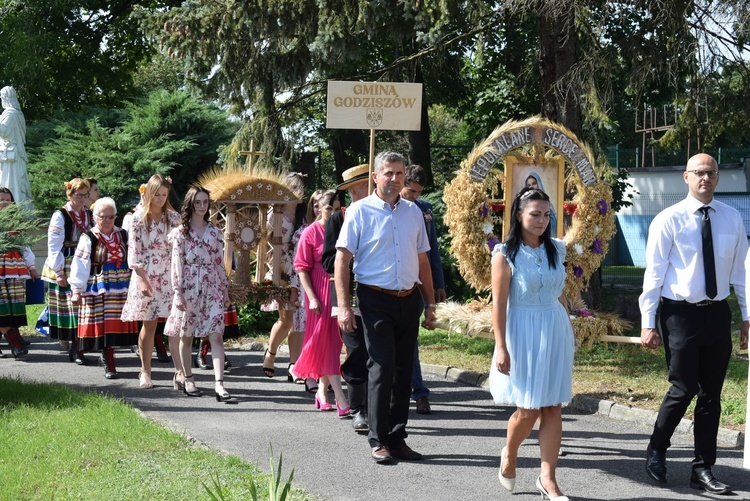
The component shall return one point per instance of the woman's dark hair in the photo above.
(514, 239)
(188, 206)
(3, 189)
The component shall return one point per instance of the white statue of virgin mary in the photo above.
(13, 173)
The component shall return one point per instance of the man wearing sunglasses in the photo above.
(696, 249)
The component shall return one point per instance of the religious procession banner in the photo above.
(533, 152)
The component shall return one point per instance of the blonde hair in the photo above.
(152, 187)
(76, 184)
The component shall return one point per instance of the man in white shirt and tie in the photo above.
(696, 249)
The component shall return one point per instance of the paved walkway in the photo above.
(603, 457)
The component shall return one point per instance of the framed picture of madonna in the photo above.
(548, 177)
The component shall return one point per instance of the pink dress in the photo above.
(198, 270)
(149, 249)
(321, 351)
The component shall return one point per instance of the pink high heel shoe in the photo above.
(322, 406)
(345, 412)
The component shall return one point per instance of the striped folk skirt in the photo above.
(13, 275)
(63, 314)
(99, 324)
(12, 302)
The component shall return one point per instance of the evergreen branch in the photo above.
(19, 228)
(298, 92)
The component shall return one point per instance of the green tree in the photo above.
(169, 133)
(65, 54)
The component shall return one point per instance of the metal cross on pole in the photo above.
(251, 154)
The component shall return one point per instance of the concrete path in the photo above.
(602, 458)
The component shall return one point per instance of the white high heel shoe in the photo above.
(507, 483)
(545, 494)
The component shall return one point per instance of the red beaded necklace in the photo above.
(80, 220)
(112, 243)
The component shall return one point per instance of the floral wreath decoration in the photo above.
(260, 293)
(472, 217)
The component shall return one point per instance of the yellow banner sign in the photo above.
(374, 105)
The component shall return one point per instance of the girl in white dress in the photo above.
(532, 365)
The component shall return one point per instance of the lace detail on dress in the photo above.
(533, 281)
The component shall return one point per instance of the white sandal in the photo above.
(145, 381)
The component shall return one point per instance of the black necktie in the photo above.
(709, 267)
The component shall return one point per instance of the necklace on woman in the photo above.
(112, 244)
(80, 220)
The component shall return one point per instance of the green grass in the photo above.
(63, 444)
(32, 314)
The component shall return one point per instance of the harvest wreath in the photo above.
(473, 213)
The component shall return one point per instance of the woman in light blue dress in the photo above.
(532, 365)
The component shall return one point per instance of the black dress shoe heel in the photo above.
(269, 371)
(656, 465)
(190, 389)
(705, 480)
(222, 397)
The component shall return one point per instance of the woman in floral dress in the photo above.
(149, 256)
(200, 285)
(16, 266)
(99, 279)
(65, 228)
(293, 216)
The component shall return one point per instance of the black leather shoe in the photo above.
(80, 359)
(18, 352)
(705, 480)
(109, 372)
(359, 423)
(656, 465)
(406, 453)
(381, 454)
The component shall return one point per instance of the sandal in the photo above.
(311, 387)
(292, 378)
(144, 381)
(268, 371)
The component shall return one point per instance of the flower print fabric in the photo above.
(149, 249)
(198, 271)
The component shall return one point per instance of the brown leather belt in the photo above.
(391, 292)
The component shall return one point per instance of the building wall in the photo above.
(655, 189)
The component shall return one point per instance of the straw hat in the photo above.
(354, 175)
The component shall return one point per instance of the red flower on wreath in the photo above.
(570, 208)
(497, 207)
